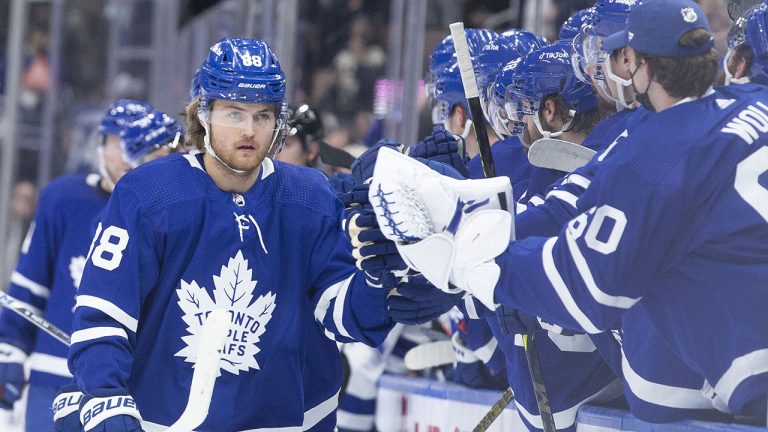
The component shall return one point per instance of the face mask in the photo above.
(621, 84)
(643, 97)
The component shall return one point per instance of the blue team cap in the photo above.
(654, 27)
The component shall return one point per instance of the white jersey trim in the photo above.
(564, 196)
(110, 309)
(485, 352)
(96, 333)
(599, 295)
(312, 417)
(354, 422)
(566, 418)
(562, 290)
(267, 168)
(741, 368)
(330, 293)
(578, 180)
(34, 287)
(574, 343)
(190, 157)
(49, 364)
(338, 307)
(662, 394)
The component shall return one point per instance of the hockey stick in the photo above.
(429, 355)
(473, 99)
(215, 331)
(495, 411)
(26, 312)
(559, 155)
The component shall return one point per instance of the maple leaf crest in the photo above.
(233, 291)
(76, 267)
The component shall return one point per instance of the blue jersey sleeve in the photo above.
(33, 277)
(602, 262)
(121, 269)
(344, 304)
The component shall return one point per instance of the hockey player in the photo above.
(225, 229)
(301, 143)
(669, 223)
(50, 267)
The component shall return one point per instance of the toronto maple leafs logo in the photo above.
(76, 267)
(233, 291)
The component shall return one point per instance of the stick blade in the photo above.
(559, 155)
(430, 355)
(214, 335)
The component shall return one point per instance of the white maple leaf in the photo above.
(234, 292)
(76, 267)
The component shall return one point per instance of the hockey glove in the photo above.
(375, 255)
(11, 374)
(468, 369)
(110, 410)
(449, 230)
(362, 168)
(442, 146)
(66, 409)
(416, 301)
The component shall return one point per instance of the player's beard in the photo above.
(232, 157)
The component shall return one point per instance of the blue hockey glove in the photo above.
(375, 255)
(362, 168)
(66, 409)
(468, 369)
(110, 410)
(341, 182)
(417, 301)
(11, 374)
(442, 146)
(512, 321)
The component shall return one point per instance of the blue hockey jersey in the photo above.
(675, 220)
(172, 247)
(49, 270)
(510, 160)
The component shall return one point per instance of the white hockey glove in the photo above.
(449, 230)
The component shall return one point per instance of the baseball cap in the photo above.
(655, 27)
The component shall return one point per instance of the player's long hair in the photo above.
(195, 131)
(684, 77)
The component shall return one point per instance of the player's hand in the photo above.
(374, 254)
(442, 146)
(362, 168)
(66, 409)
(110, 410)
(11, 374)
(416, 301)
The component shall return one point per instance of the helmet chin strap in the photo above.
(729, 79)
(621, 84)
(548, 134)
(212, 153)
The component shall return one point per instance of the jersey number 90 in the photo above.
(109, 250)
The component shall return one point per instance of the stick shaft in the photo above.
(21, 308)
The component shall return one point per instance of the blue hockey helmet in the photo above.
(524, 40)
(573, 25)
(444, 54)
(542, 73)
(501, 123)
(121, 112)
(449, 92)
(194, 85)
(756, 37)
(148, 133)
(242, 70)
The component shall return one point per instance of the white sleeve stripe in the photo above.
(564, 196)
(96, 333)
(562, 290)
(338, 307)
(662, 394)
(49, 364)
(485, 352)
(586, 275)
(743, 367)
(325, 301)
(110, 309)
(469, 304)
(536, 201)
(578, 180)
(34, 287)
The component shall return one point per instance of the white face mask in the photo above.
(729, 79)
